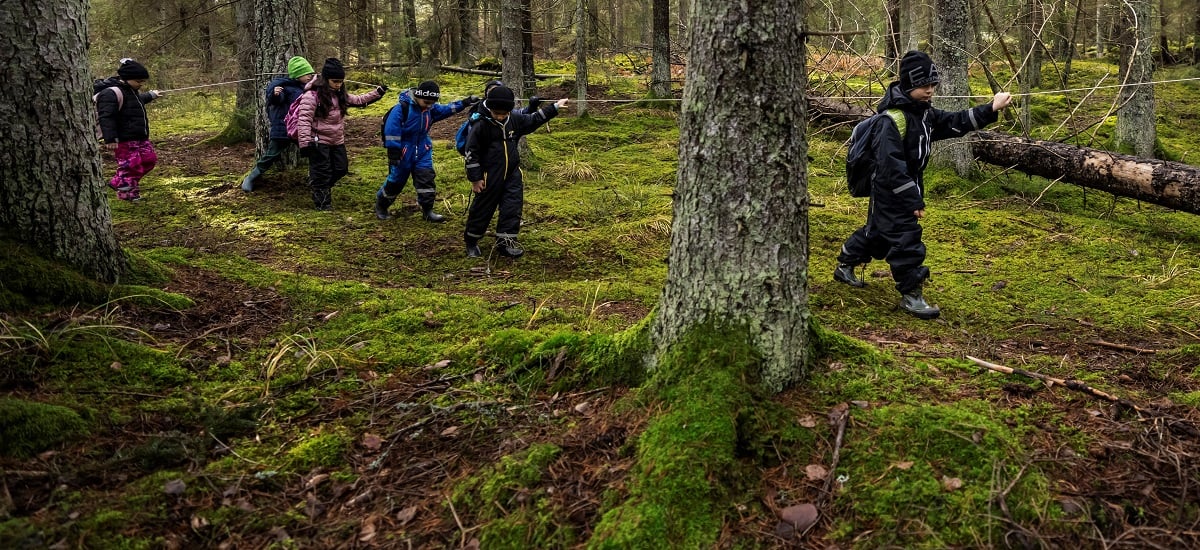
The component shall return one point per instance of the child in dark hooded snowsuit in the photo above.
(125, 128)
(493, 166)
(893, 232)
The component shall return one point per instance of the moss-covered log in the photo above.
(1170, 184)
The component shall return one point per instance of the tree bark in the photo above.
(660, 74)
(739, 239)
(581, 51)
(279, 35)
(1135, 130)
(1171, 184)
(410, 31)
(467, 23)
(242, 125)
(527, 70)
(52, 196)
(952, 36)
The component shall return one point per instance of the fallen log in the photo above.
(1170, 184)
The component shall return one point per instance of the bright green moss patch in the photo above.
(686, 469)
(928, 476)
(508, 496)
(29, 427)
(321, 449)
(27, 280)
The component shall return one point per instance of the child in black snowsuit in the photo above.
(893, 231)
(494, 169)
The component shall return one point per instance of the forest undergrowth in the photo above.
(273, 376)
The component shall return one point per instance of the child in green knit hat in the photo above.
(280, 93)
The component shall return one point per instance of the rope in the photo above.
(1044, 92)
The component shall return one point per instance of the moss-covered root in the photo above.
(686, 456)
(28, 427)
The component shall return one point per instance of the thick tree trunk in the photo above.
(660, 74)
(527, 70)
(1170, 184)
(952, 36)
(511, 45)
(739, 239)
(52, 196)
(242, 125)
(1135, 130)
(279, 35)
(467, 23)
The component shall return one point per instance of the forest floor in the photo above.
(347, 383)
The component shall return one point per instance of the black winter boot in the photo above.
(248, 181)
(915, 304)
(473, 250)
(322, 199)
(508, 246)
(382, 204)
(431, 216)
(844, 273)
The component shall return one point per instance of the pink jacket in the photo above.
(331, 129)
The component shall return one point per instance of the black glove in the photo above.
(382, 89)
(533, 103)
(309, 151)
(470, 100)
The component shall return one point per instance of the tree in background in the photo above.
(1135, 116)
(279, 35)
(581, 50)
(739, 239)
(660, 75)
(53, 200)
(951, 38)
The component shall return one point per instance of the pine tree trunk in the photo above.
(410, 31)
(52, 196)
(952, 38)
(739, 240)
(529, 87)
(581, 51)
(660, 75)
(242, 125)
(279, 35)
(1135, 130)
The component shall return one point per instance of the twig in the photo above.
(1079, 386)
(842, 416)
(1122, 347)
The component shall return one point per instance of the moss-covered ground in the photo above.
(273, 376)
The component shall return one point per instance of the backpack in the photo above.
(460, 137)
(404, 107)
(292, 119)
(860, 160)
(120, 103)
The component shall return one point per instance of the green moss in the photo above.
(686, 471)
(29, 427)
(902, 465)
(151, 297)
(517, 512)
(27, 280)
(319, 450)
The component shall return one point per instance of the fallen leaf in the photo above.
(368, 530)
(330, 315)
(315, 480)
(808, 421)
(801, 516)
(951, 483)
(583, 408)
(198, 522)
(174, 487)
(116, 365)
(816, 472)
(371, 441)
(406, 515)
(903, 465)
(450, 431)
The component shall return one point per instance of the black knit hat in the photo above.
(917, 70)
(333, 69)
(491, 84)
(428, 90)
(132, 70)
(500, 98)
